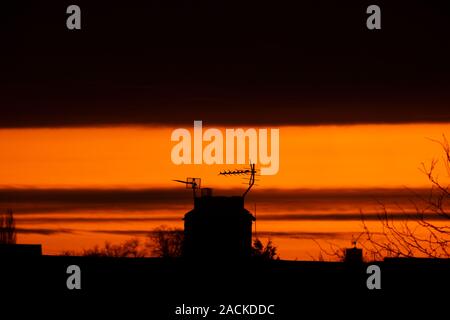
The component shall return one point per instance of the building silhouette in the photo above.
(218, 227)
(20, 250)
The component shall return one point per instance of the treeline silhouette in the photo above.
(163, 242)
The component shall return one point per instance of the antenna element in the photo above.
(251, 171)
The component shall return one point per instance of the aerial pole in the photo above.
(256, 236)
(251, 172)
(193, 183)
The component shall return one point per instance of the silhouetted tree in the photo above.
(166, 242)
(267, 252)
(8, 233)
(127, 249)
(421, 235)
(333, 252)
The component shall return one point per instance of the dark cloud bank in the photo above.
(101, 205)
(140, 233)
(110, 207)
(224, 62)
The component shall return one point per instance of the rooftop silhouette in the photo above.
(218, 226)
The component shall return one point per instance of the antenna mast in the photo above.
(256, 235)
(251, 172)
(193, 183)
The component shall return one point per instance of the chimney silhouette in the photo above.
(218, 227)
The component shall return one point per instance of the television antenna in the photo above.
(251, 172)
(191, 183)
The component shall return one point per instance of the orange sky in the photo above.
(318, 157)
(310, 157)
